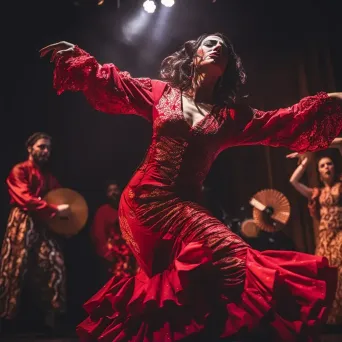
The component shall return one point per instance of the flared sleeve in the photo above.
(309, 125)
(106, 88)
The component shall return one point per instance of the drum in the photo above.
(78, 211)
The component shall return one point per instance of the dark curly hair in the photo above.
(177, 69)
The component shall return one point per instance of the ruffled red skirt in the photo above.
(200, 282)
(285, 295)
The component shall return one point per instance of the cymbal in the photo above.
(78, 211)
(274, 200)
(249, 229)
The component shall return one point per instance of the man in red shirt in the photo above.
(107, 238)
(30, 253)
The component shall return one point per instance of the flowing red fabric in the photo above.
(197, 279)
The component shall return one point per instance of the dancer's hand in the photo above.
(300, 156)
(292, 155)
(57, 49)
(336, 95)
(64, 211)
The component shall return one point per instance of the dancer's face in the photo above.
(326, 169)
(40, 151)
(211, 56)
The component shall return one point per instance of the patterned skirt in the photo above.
(30, 255)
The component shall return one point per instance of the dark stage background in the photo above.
(290, 49)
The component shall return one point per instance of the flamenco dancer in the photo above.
(198, 281)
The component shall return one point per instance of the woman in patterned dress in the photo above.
(325, 204)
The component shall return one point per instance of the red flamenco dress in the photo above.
(198, 281)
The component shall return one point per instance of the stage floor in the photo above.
(38, 339)
(32, 338)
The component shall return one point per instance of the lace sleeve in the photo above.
(106, 88)
(309, 125)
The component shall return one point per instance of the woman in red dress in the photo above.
(198, 281)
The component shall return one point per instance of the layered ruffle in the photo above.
(285, 295)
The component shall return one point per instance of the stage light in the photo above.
(149, 6)
(168, 3)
